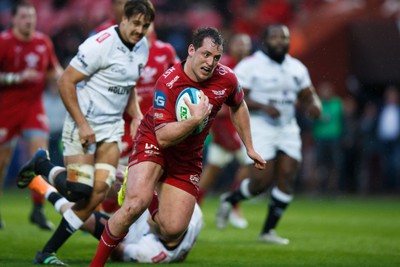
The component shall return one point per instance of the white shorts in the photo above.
(111, 132)
(220, 157)
(269, 139)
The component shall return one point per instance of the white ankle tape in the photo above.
(56, 170)
(281, 196)
(244, 188)
(72, 219)
(59, 203)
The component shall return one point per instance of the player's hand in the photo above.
(259, 162)
(199, 112)
(272, 111)
(86, 135)
(135, 123)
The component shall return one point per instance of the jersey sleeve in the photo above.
(237, 95)
(304, 80)
(91, 53)
(164, 105)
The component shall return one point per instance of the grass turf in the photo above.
(342, 231)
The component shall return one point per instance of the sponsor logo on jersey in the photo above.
(120, 90)
(168, 72)
(117, 69)
(81, 59)
(159, 99)
(102, 37)
(151, 150)
(171, 83)
(158, 115)
(194, 179)
(41, 48)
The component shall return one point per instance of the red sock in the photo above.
(106, 245)
(153, 207)
(37, 198)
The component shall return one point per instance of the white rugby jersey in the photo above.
(144, 247)
(273, 83)
(112, 71)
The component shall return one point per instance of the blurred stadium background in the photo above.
(351, 45)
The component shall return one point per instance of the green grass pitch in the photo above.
(342, 231)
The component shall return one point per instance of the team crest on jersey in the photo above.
(221, 70)
(159, 99)
(219, 93)
(148, 74)
(102, 37)
(160, 59)
(31, 60)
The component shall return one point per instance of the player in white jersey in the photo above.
(140, 245)
(273, 82)
(96, 88)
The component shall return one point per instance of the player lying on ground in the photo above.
(140, 245)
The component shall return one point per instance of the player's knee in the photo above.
(171, 231)
(109, 178)
(79, 181)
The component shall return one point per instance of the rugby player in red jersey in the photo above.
(167, 156)
(27, 64)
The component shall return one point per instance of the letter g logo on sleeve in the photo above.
(159, 99)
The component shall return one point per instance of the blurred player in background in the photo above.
(167, 155)
(27, 65)
(117, 7)
(110, 64)
(226, 145)
(273, 83)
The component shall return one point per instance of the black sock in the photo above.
(276, 209)
(37, 206)
(235, 197)
(54, 197)
(43, 167)
(100, 220)
(63, 232)
(60, 182)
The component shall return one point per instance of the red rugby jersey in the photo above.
(17, 56)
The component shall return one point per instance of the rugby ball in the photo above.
(182, 110)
